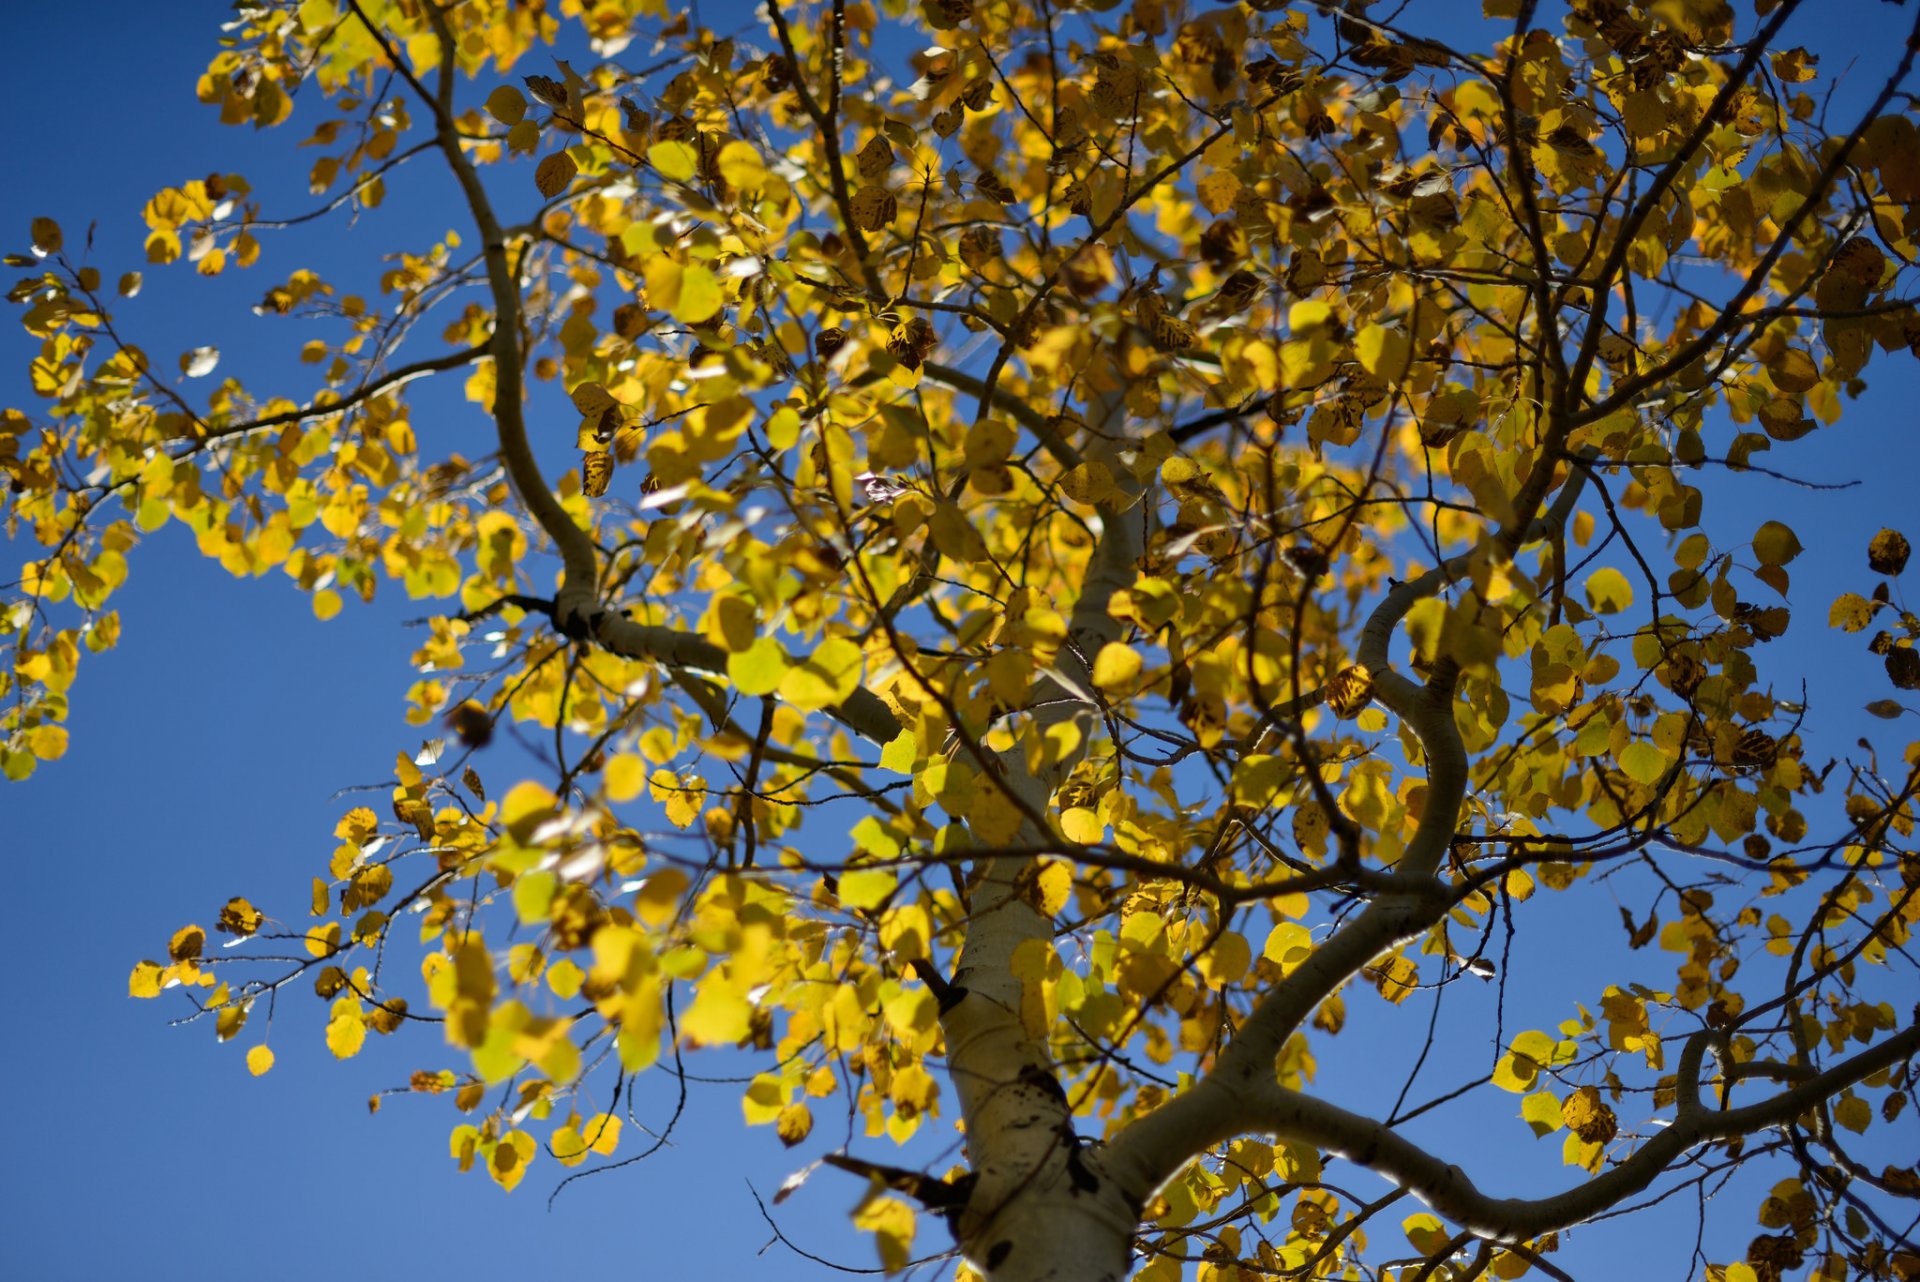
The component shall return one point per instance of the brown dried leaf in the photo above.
(554, 174)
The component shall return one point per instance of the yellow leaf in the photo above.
(1218, 190)
(593, 399)
(602, 1132)
(1853, 1112)
(1116, 667)
(1398, 977)
(596, 473)
(763, 1100)
(533, 893)
(1383, 350)
(1226, 961)
(758, 669)
(1090, 483)
(719, 1016)
(674, 161)
(700, 295)
(891, 1222)
(346, 1033)
(826, 677)
(1428, 1235)
(568, 1147)
(1053, 885)
(1288, 944)
(1535, 1045)
(1588, 1117)
(734, 622)
(794, 1124)
(48, 743)
(1851, 612)
(740, 167)
(900, 753)
(867, 887)
(45, 235)
(145, 980)
(561, 1062)
(506, 105)
(524, 806)
(230, 1019)
(186, 943)
(659, 896)
(1642, 762)
(1308, 314)
(994, 819)
(259, 1060)
(1081, 825)
(1776, 544)
(1515, 1073)
(508, 1164)
(1608, 591)
(625, 777)
(564, 977)
(1542, 1112)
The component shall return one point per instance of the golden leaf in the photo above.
(186, 943)
(239, 918)
(1350, 690)
(1587, 1116)
(596, 472)
(794, 1123)
(1888, 552)
(873, 208)
(554, 174)
(1860, 259)
(874, 160)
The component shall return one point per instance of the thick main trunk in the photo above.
(1042, 1205)
(1066, 1220)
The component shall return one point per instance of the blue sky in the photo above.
(207, 748)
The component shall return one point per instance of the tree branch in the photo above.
(1451, 1193)
(1152, 1148)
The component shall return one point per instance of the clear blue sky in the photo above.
(206, 748)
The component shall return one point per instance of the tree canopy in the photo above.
(1036, 553)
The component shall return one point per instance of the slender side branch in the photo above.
(864, 712)
(509, 413)
(373, 387)
(1021, 412)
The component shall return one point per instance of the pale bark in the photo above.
(1042, 1206)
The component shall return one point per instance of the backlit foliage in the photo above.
(1133, 528)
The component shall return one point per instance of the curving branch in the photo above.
(579, 587)
(1153, 1148)
(1451, 1193)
